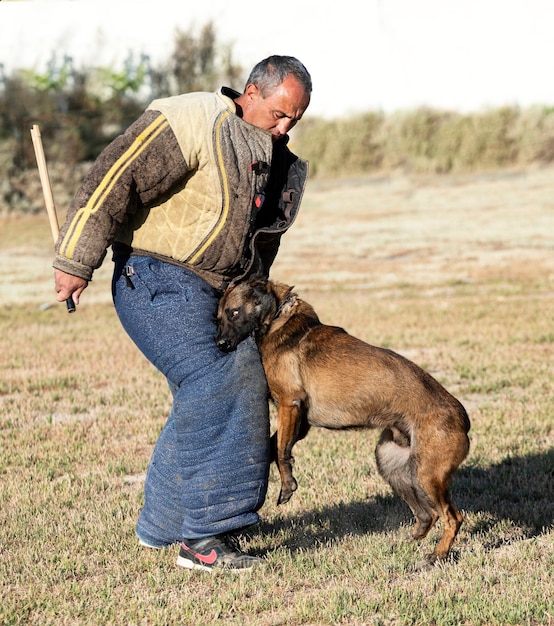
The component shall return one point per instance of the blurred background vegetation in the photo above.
(80, 111)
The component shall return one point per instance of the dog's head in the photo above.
(247, 309)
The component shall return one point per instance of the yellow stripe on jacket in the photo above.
(111, 178)
(223, 217)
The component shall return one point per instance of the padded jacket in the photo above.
(190, 183)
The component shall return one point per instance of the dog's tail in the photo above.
(396, 464)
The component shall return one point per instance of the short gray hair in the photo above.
(268, 74)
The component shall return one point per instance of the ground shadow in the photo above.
(519, 490)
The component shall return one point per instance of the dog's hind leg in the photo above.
(451, 519)
(434, 475)
(396, 465)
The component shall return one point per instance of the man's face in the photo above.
(278, 112)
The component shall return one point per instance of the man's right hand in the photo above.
(67, 285)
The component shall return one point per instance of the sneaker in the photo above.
(221, 551)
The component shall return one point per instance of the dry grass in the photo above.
(455, 273)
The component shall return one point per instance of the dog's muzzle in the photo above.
(225, 345)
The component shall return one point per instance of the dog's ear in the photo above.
(264, 299)
(260, 289)
(258, 280)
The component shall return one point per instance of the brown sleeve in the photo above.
(138, 167)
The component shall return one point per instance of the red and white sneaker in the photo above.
(218, 552)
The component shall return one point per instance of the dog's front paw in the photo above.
(287, 491)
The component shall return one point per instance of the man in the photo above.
(194, 195)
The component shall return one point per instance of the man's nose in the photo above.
(285, 125)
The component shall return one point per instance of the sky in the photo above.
(363, 55)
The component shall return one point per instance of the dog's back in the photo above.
(386, 383)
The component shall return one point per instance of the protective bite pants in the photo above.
(209, 469)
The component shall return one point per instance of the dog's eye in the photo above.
(233, 314)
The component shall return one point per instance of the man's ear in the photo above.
(252, 92)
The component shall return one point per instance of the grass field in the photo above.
(456, 273)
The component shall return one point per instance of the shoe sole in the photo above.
(188, 564)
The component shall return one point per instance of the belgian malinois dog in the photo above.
(319, 375)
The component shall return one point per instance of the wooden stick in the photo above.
(45, 182)
(47, 193)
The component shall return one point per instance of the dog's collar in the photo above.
(290, 298)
